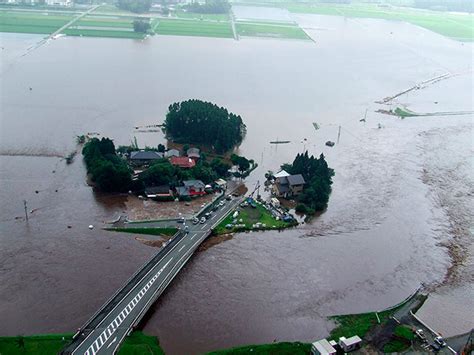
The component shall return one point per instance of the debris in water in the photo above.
(91, 226)
(330, 143)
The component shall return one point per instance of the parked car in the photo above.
(215, 208)
(420, 334)
(207, 215)
(440, 341)
(181, 220)
(203, 220)
(435, 347)
(229, 197)
(195, 220)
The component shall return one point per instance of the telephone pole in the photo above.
(26, 210)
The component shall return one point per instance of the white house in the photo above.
(322, 347)
(350, 344)
(59, 2)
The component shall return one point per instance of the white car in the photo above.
(203, 220)
(195, 220)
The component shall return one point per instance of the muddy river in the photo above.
(400, 213)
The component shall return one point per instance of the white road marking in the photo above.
(106, 334)
(193, 236)
(113, 341)
(184, 246)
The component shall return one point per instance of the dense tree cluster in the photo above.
(163, 172)
(141, 26)
(318, 176)
(446, 5)
(210, 7)
(107, 170)
(200, 122)
(137, 6)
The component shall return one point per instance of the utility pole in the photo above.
(26, 210)
(338, 134)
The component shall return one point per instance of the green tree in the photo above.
(137, 6)
(141, 26)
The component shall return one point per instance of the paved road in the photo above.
(104, 333)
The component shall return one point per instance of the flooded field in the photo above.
(400, 213)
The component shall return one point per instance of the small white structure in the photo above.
(322, 347)
(59, 2)
(281, 174)
(350, 344)
(221, 183)
(275, 202)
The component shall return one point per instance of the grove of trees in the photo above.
(210, 7)
(199, 122)
(318, 176)
(107, 170)
(141, 26)
(137, 6)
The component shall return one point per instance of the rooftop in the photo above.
(281, 173)
(296, 180)
(183, 162)
(350, 341)
(323, 347)
(193, 183)
(193, 152)
(145, 155)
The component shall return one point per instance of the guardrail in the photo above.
(127, 283)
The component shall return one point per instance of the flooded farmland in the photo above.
(400, 213)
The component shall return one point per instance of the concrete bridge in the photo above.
(104, 331)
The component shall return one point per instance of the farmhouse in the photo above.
(158, 191)
(183, 162)
(144, 157)
(172, 153)
(288, 186)
(191, 188)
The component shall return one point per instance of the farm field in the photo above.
(192, 28)
(32, 22)
(180, 13)
(255, 29)
(456, 26)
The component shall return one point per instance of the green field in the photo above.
(194, 15)
(268, 349)
(31, 22)
(255, 29)
(136, 344)
(456, 26)
(249, 217)
(192, 28)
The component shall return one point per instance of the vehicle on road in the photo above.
(203, 220)
(440, 341)
(181, 220)
(435, 347)
(207, 215)
(195, 220)
(215, 208)
(420, 334)
(229, 197)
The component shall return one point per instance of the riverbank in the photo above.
(136, 343)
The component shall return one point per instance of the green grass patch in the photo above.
(136, 344)
(249, 217)
(145, 230)
(102, 33)
(35, 344)
(403, 112)
(192, 28)
(255, 29)
(456, 26)
(404, 332)
(140, 344)
(396, 346)
(31, 22)
(296, 348)
(180, 13)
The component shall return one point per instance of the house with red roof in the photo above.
(183, 162)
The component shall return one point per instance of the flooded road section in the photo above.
(400, 208)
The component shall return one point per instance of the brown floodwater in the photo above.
(401, 201)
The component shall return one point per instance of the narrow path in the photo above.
(232, 23)
(77, 18)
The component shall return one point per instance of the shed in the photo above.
(172, 153)
(193, 153)
(350, 344)
(322, 347)
(221, 183)
(158, 191)
(280, 174)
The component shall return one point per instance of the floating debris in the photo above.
(330, 143)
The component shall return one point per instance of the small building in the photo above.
(275, 202)
(221, 183)
(288, 186)
(193, 153)
(183, 162)
(322, 347)
(281, 174)
(59, 2)
(350, 344)
(172, 153)
(144, 157)
(191, 188)
(161, 191)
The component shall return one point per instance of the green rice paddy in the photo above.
(165, 26)
(270, 30)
